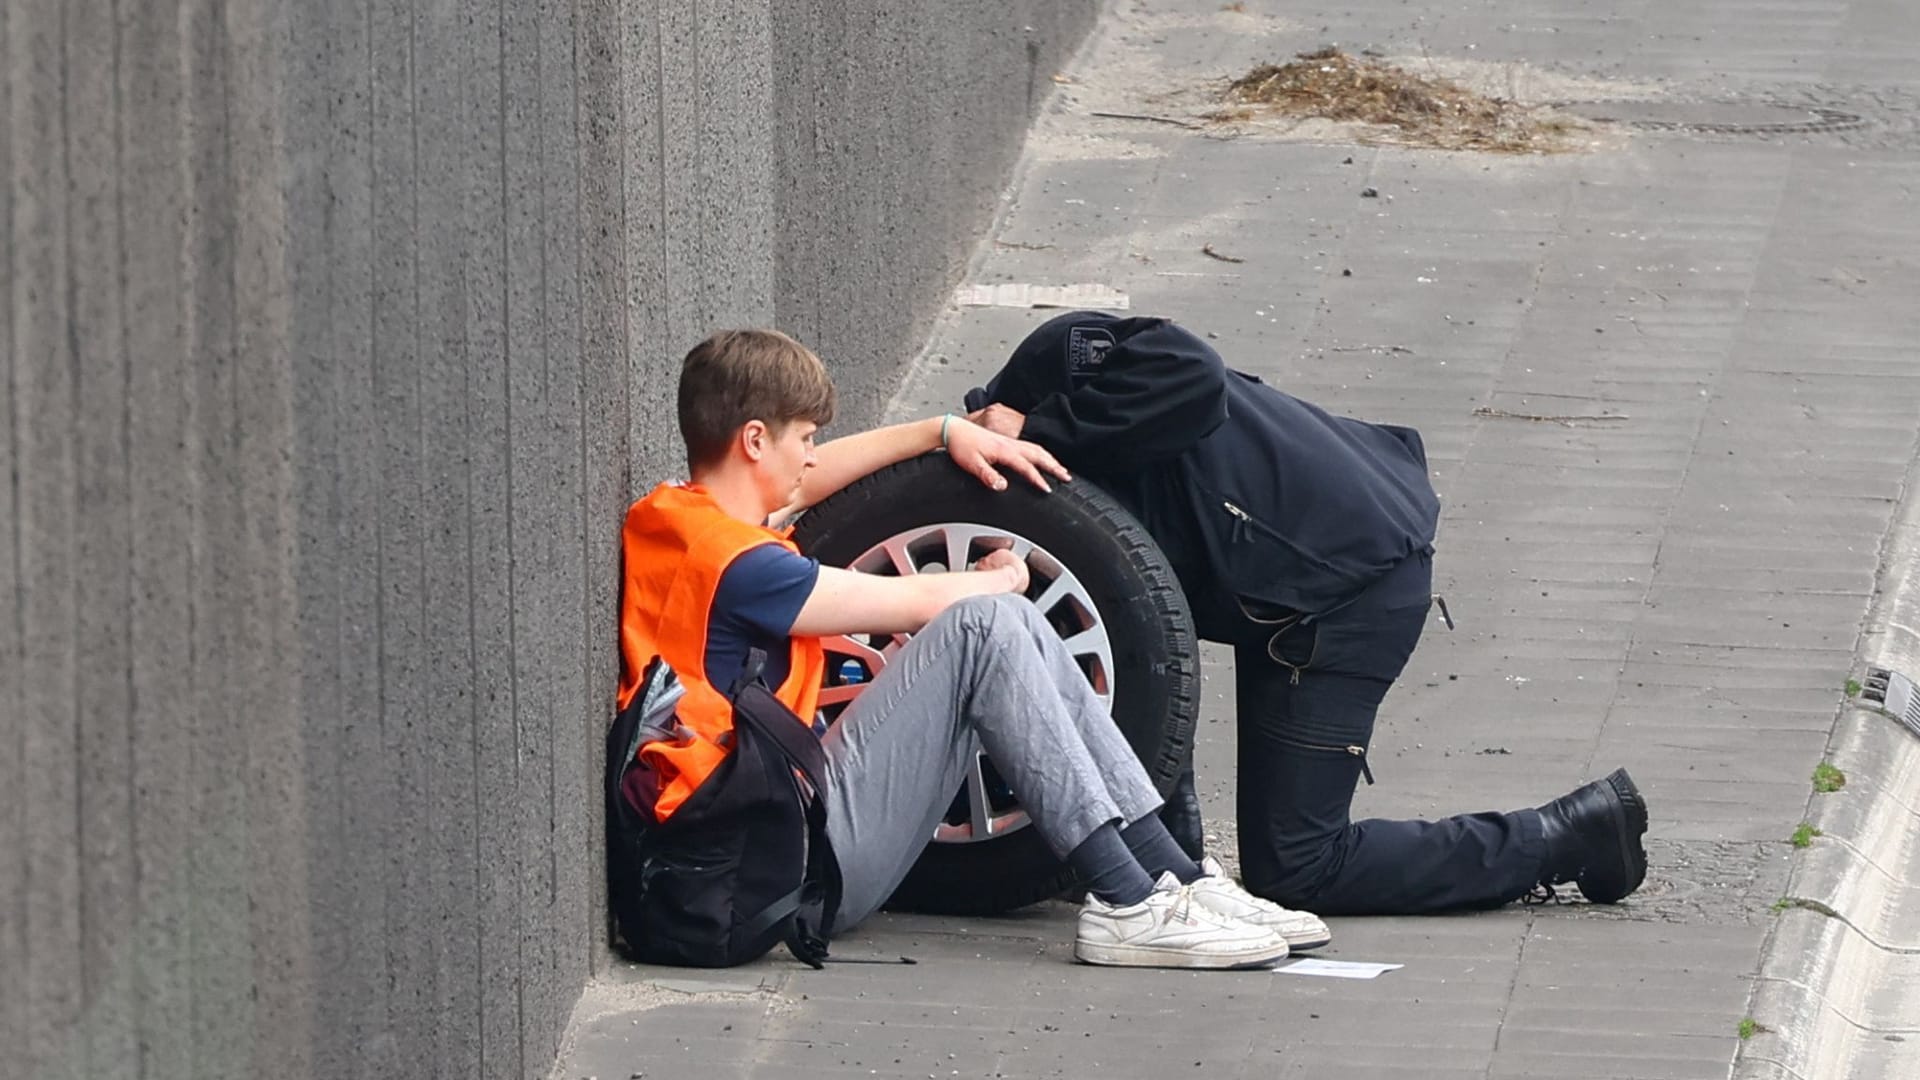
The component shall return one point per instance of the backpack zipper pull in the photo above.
(1361, 753)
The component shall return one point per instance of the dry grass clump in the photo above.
(1407, 109)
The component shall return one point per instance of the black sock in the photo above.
(1108, 869)
(1157, 850)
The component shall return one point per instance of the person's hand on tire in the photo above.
(1003, 559)
(1000, 419)
(978, 451)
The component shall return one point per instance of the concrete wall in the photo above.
(339, 332)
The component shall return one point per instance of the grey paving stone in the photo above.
(1681, 591)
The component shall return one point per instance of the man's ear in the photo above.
(754, 438)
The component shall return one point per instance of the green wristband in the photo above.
(944, 421)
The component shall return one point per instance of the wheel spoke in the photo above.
(1089, 642)
(959, 541)
(979, 807)
(1057, 589)
(842, 645)
(899, 556)
(840, 695)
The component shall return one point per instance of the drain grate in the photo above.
(1718, 117)
(1895, 693)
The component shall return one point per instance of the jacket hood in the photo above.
(1071, 348)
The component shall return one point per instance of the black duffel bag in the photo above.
(744, 863)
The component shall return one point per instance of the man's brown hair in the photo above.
(739, 375)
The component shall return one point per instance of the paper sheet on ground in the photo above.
(1021, 295)
(1334, 969)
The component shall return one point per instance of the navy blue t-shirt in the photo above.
(760, 594)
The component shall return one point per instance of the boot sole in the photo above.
(1629, 824)
(1147, 956)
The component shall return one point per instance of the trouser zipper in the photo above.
(1356, 751)
(1361, 753)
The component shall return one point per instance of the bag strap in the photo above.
(801, 940)
(751, 670)
(770, 717)
(773, 913)
(807, 909)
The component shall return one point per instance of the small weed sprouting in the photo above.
(1853, 688)
(1803, 836)
(1782, 904)
(1749, 1027)
(1827, 779)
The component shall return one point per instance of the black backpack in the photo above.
(744, 863)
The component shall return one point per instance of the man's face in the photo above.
(789, 455)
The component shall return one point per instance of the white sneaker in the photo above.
(1302, 930)
(1170, 928)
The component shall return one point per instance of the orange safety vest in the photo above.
(677, 542)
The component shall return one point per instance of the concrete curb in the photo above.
(1838, 992)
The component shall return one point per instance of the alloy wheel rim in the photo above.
(987, 809)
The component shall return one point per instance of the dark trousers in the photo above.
(1308, 694)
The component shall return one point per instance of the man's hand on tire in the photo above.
(978, 450)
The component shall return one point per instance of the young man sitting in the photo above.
(983, 669)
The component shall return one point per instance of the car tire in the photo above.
(1077, 533)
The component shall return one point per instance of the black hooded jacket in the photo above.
(1252, 493)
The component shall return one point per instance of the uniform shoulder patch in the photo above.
(1087, 348)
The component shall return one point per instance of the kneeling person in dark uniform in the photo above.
(1305, 540)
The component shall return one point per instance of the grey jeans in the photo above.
(988, 673)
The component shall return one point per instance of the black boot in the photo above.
(1593, 838)
(1181, 816)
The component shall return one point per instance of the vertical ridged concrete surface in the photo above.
(338, 336)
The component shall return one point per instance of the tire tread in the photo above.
(873, 493)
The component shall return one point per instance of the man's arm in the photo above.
(1157, 393)
(974, 449)
(848, 602)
